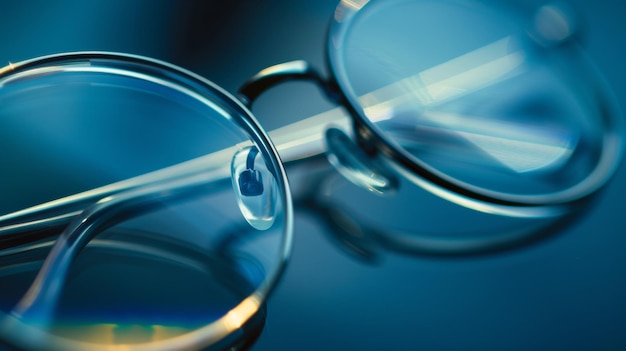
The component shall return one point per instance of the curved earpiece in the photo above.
(250, 181)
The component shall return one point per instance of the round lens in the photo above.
(77, 128)
(477, 102)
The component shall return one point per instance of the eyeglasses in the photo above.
(480, 108)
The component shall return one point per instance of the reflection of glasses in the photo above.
(510, 119)
(211, 278)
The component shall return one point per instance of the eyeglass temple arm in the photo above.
(37, 304)
(50, 218)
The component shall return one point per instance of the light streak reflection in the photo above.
(518, 147)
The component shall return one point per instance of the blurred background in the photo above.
(563, 292)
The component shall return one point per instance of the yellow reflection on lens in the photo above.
(111, 333)
(235, 318)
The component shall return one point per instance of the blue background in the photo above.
(564, 292)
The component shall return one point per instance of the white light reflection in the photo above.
(467, 73)
(354, 4)
(521, 148)
(348, 7)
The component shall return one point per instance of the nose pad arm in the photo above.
(250, 183)
(250, 180)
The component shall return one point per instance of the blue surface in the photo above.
(563, 293)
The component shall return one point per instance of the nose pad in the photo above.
(255, 188)
(355, 165)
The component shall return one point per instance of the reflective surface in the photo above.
(564, 292)
(150, 151)
(136, 287)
